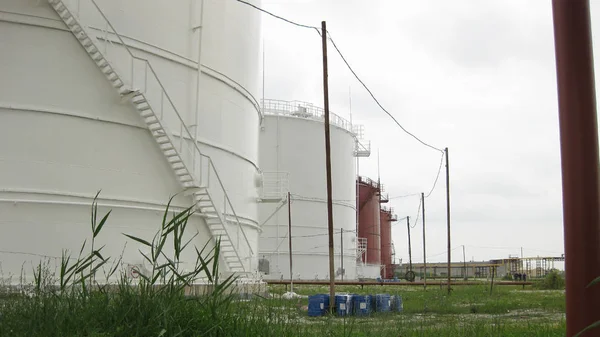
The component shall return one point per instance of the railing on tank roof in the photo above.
(369, 181)
(387, 209)
(144, 78)
(304, 110)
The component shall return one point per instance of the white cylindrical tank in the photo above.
(65, 132)
(292, 140)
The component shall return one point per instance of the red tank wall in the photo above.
(386, 244)
(369, 221)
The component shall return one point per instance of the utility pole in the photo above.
(409, 246)
(579, 161)
(328, 167)
(448, 215)
(464, 263)
(424, 249)
(342, 251)
(290, 239)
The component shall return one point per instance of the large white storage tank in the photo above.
(292, 140)
(95, 93)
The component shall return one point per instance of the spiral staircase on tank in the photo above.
(137, 82)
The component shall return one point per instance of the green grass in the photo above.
(73, 304)
(468, 311)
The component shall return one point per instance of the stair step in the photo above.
(169, 147)
(143, 107)
(180, 171)
(111, 75)
(95, 55)
(186, 179)
(155, 126)
(148, 113)
(70, 19)
(86, 42)
(92, 50)
(183, 174)
(107, 70)
(151, 119)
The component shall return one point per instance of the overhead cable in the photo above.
(349, 68)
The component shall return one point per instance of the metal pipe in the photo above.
(579, 159)
(456, 283)
(199, 72)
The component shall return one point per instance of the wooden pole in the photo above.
(424, 246)
(409, 246)
(328, 168)
(290, 240)
(448, 215)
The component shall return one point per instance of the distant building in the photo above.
(532, 267)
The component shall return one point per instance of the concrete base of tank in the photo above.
(246, 288)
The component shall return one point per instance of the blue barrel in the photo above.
(397, 304)
(361, 305)
(343, 305)
(382, 302)
(318, 304)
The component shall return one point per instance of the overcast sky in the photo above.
(477, 77)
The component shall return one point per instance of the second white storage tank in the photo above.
(292, 140)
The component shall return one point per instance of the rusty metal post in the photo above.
(579, 159)
(328, 167)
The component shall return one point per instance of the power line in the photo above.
(418, 213)
(359, 80)
(349, 68)
(404, 196)
(437, 176)
(375, 99)
(279, 17)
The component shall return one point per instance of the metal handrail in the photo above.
(275, 187)
(281, 107)
(183, 126)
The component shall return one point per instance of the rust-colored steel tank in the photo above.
(368, 218)
(387, 216)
